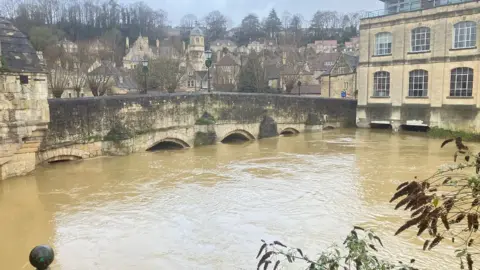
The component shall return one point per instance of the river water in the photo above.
(208, 207)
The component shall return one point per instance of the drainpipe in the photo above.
(355, 88)
(329, 85)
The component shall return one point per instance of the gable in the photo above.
(341, 67)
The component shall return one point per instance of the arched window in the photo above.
(381, 84)
(465, 35)
(421, 39)
(383, 43)
(461, 82)
(418, 83)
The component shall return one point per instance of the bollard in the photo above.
(41, 257)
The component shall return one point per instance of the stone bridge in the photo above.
(119, 125)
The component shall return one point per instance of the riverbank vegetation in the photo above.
(436, 132)
(444, 209)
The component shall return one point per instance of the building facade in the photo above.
(421, 68)
(342, 77)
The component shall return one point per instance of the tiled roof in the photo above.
(227, 60)
(17, 53)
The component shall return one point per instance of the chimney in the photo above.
(127, 43)
(284, 58)
(158, 43)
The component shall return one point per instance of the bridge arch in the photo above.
(61, 155)
(168, 144)
(289, 131)
(238, 135)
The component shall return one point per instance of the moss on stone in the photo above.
(205, 138)
(118, 133)
(206, 119)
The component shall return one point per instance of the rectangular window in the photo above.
(421, 39)
(191, 83)
(23, 79)
(383, 44)
(465, 35)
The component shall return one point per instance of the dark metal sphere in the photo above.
(41, 257)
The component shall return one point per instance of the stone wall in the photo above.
(117, 125)
(23, 120)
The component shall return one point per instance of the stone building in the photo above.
(222, 46)
(24, 111)
(139, 51)
(324, 46)
(353, 45)
(226, 72)
(342, 77)
(420, 67)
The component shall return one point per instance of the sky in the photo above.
(236, 10)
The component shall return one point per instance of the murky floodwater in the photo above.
(208, 208)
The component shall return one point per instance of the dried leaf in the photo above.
(445, 221)
(265, 267)
(372, 247)
(469, 262)
(279, 243)
(467, 158)
(402, 185)
(453, 239)
(470, 222)
(445, 142)
(261, 249)
(379, 241)
(300, 251)
(358, 228)
(435, 242)
(425, 245)
(422, 227)
(476, 202)
(470, 242)
(264, 258)
(276, 265)
(446, 180)
(409, 224)
(460, 218)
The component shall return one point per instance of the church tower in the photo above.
(196, 49)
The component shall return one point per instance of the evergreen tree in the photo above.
(272, 24)
(252, 76)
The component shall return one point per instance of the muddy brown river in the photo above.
(208, 207)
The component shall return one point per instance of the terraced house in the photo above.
(420, 65)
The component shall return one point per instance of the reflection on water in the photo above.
(208, 207)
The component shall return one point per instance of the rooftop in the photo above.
(414, 5)
(17, 53)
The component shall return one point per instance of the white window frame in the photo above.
(191, 83)
(383, 43)
(464, 35)
(421, 38)
(418, 83)
(461, 82)
(381, 84)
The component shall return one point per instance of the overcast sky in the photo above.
(237, 9)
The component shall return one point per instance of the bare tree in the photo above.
(164, 73)
(286, 19)
(291, 72)
(58, 80)
(78, 78)
(188, 22)
(99, 79)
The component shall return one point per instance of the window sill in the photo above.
(461, 49)
(381, 55)
(419, 52)
(449, 97)
(409, 97)
(379, 97)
